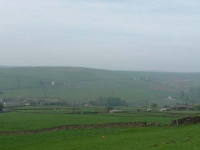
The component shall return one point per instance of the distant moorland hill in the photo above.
(85, 84)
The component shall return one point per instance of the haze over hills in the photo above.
(85, 84)
(1, 66)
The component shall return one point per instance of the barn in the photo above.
(115, 111)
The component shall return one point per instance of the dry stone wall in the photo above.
(185, 121)
(85, 126)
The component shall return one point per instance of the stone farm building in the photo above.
(115, 111)
(184, 107)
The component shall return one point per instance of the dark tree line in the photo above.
(108, 101)
(1, 106)
(192, 95)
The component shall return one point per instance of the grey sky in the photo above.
(108, 34)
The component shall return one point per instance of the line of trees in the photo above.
(1, 106)
(108, 101)
(192, 95)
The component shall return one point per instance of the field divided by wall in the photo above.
(39, 118)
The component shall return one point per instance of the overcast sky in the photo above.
(146, 35)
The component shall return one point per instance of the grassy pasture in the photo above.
(16, 121)
(40, 117)
(153, 138)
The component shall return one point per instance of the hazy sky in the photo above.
(108, 34)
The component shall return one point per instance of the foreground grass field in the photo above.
(165, 138)
(33, 118)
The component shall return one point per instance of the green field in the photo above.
(27, 119)
(182, 137)
(80, 85)
(35, 117)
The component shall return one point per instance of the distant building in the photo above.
(115, 111)
(6, 110)
(10, 103)
(164, 109)
(171, 98)
(27, 104)
(183, 107)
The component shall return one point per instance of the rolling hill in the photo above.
(85, 84)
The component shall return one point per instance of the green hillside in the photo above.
(84, 84)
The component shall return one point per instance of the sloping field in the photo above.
(84, 84)
(19, 130)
